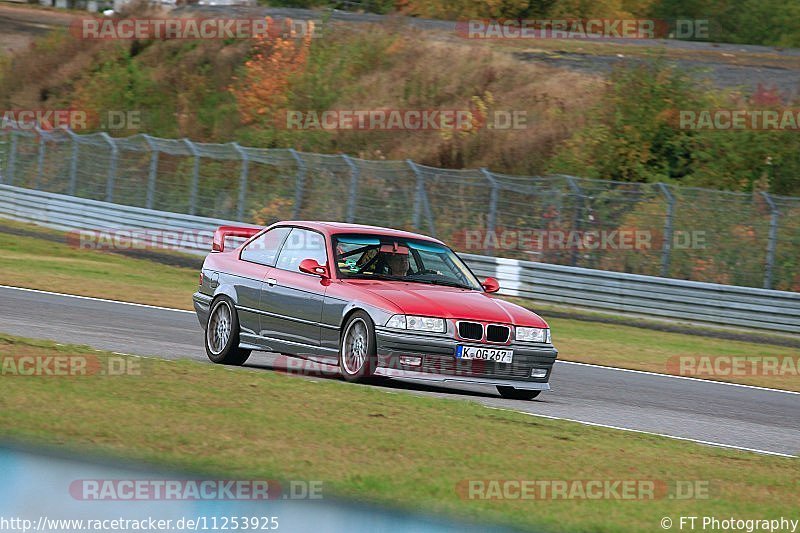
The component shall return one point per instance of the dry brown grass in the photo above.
(45, 72)
(181, 88)
(424, 74)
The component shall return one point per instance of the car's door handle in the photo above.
(271, 282)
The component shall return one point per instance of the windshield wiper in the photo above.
(411, 279)
(442, 282)
(376, 276)
(408, 279)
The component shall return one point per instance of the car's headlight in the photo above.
(532, 334)
(417, 323)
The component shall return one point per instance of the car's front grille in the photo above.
(470, 330)
(495, 333)
(477, 368)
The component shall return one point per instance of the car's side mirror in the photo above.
(490, 285)
(310, 266)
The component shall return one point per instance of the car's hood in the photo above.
(450, 302)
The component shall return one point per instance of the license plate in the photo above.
(484, 354)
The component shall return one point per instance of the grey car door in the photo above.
(258, 259)
(291, 301)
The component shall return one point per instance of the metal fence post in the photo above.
(152, 173)
(242, 182)
(666, 246)
(351, 195)
(418, 195)
(39, 158)
(73, 163)
(195, 176)
(772, 241)
(426, 206)
(12, 158)
(2, 170)
(578, 214)
(300, 184)
(112, 167)
(491, 216)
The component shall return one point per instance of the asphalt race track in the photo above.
(734, 416)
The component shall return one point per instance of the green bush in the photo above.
(770, 22)
(632, 134)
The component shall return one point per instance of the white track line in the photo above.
(606, 426)
(594, 424)
(559, 361)
(96, 299)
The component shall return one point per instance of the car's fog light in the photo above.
(408, 360)
(538, 372)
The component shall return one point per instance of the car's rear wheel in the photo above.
(357, 350)
(222, 334)
(517, 394)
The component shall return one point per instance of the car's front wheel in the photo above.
(357, 350)
(222, 334)
(517, 394)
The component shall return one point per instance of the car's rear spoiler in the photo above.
(223, 232)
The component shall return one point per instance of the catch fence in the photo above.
(650, 229)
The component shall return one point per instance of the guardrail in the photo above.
(651, 296)
(70, 213)
(747, 239)
(577, 287)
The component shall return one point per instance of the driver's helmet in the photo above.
(397, 264)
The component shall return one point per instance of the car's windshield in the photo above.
(385, 257)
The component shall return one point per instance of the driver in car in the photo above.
(398, 264)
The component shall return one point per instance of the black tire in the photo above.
(352, 366)
(227, 352)
(517, 394)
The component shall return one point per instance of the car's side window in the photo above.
(302, 244)
(264, 249)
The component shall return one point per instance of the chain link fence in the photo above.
(652, 229)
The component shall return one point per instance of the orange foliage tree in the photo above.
(276, 57)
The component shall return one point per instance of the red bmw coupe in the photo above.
(374, 301)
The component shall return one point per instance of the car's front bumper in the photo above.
(439, 363)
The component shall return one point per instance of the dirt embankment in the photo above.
(723, 65)
(20, 25)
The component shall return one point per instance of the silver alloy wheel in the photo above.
(355, 346)
(219, 328)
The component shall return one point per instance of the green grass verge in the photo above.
(51, 265)
(658, 351)
(365, 443)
